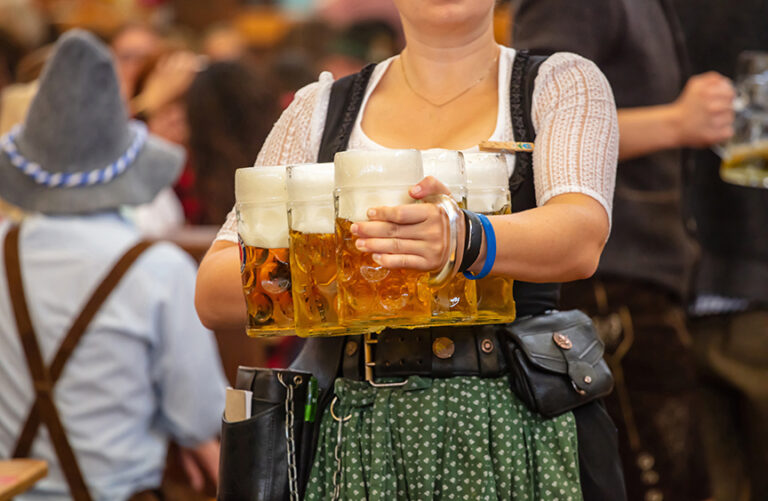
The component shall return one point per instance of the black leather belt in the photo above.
(438, 352)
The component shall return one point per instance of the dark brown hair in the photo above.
(231, 107)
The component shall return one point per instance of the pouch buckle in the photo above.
(368, 341)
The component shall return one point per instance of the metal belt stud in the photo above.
(443, 347)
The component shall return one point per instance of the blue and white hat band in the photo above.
(71, 179)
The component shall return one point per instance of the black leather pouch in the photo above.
(556, 361)
(254, 462)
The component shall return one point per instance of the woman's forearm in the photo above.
(558, 242)
(218, 293)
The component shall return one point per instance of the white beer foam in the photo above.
(262, 196)
(260, 184)
(487, 181)
(312, 217)
(487, 201)
(310, 195)
(447, 166)
(365, 179)
(310, 182)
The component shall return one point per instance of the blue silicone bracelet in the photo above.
(490, 249)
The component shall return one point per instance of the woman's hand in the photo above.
(407, 236)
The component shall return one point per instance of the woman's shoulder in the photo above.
(567, 62)
(313, 91)
(564, 73)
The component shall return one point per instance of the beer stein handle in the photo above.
(451, 267)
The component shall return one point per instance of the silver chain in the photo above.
(337, 450)
(290, 441)
(337, 455)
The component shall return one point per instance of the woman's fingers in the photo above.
(408, 261)
(404, 214)
(385, 229)
(406, 236)
(428, 186)
(430, 250)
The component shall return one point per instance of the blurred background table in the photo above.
(18, 475)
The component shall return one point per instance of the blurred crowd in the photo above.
(211, 77)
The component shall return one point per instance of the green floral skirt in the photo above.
(457, 438)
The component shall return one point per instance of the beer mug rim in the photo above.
(304, 182)
(265, 183)
(377, 168)
(451, 171)
(472, 162)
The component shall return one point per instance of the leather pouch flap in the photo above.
(564, 342)
(265, 385)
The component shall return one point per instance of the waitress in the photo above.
(448, 436)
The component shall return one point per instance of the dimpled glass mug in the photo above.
(745, 156)
(456, 301)
(368, 293)
(488, 193)
(262, 227)
(313, 250)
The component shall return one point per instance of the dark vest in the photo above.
(344, 106)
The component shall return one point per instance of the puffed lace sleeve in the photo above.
(295, 137)
(577, 131)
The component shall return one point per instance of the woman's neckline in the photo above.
(383, 67)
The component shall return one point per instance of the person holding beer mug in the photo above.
(452, 87)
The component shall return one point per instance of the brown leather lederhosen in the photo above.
(44, 409)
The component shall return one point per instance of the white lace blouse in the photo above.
(573, 112)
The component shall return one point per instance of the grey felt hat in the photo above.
(77, 151)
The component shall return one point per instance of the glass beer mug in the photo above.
(262, 227)
(370, 294)
(488, 193)
(313, 249)
(745, 156)
(456, 301)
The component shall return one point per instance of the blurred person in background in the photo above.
(363, 42)
(115, 377)
(638, 295)
(159, 100)
(730, 305)
(231, 108)
(134, 45)
(224, 42)
(10, 55)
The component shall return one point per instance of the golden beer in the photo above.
(262, 227)
(488, 194)
(313, 250)
(267, 287)
(456, 301)
(746, 165)
(371, 295)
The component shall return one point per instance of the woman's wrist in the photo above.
(487, 256)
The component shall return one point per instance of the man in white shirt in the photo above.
(143, 370)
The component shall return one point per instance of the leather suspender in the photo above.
(44, 378)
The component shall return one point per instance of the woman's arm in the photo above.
(218, 292)
(295, 138)
(558, 242)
